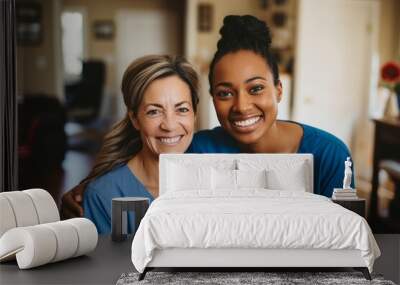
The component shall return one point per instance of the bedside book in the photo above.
(344, 194)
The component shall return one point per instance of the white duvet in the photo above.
(252, 218)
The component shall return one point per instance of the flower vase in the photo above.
(392, 105)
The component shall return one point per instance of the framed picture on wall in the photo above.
(29, 23)
(205, 17)
(104, 30)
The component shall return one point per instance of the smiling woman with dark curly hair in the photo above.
(246, 90)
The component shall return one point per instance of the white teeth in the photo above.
(247, 122)
(170, 140)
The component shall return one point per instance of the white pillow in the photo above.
(182, 177)
(235, 179)
(251, 178)
(294, 179)
(223, 179)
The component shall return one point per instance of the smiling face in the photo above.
(165, 118)
(244, 95)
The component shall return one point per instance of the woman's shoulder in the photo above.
(119, 182)
(215, 140)
(111, 176)
(109, 181)
(329, 151)
(315, 139)
(329, 154)
(210, 133)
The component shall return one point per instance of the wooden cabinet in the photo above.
(386, 146)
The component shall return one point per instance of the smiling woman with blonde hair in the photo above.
(160, 95)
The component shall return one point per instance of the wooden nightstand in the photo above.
(357, 205)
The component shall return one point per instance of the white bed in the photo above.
(230, 210)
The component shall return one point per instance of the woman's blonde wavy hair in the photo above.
(123, 141)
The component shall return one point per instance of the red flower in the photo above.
(390, 72)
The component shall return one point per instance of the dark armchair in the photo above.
(42, 143)
(83, 98)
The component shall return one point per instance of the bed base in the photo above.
(363, 270)
(239, 260)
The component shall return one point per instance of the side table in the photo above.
(356, 205)
(119, 218)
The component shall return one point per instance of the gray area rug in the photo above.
(226, 278)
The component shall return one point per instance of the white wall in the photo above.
(141, 33)
(333, 63)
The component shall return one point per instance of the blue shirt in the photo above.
(119, 182)
(328, 151)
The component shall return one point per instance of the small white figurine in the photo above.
(347, 174)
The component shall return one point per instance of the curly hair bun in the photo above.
(244, 33)
(241, 31)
